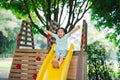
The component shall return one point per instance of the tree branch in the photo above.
(73, 16)
(44, 6)
(42, 2)
(91, 5)
(70, 13)
(80, 8)
(48, 15)
(61, 12)
(85, 10)
(29, 16)
(37, 13)
(56, 10)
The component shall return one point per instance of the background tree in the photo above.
(118, 56)
(2, 41)
(105, 13)
(47, 10)
(107, 16)
(9, 27)
(97, 58)
(7, 44)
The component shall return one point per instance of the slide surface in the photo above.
(47, 72)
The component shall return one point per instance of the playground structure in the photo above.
(27, 61)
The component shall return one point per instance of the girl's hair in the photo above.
(65, 31)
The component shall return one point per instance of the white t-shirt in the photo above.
(61, 43)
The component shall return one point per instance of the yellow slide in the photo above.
(47, 72)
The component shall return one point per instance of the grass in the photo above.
(5, 63)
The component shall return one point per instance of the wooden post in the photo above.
(84, 35)
(85, 50)
(85, 32)
(82, 61)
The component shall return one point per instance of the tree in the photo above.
(9, 27)
(97, 67)
(118, 56)
(2, 41)
(107, 16)
(7, 44)
(47, 10)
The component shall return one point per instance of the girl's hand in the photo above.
(49, 32)
(74, 29)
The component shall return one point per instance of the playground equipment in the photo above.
(27, 61)
(47, 72)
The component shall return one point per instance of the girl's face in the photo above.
(60, 33)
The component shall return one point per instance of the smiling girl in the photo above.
(61, 44)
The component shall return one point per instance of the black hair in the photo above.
(65, 31)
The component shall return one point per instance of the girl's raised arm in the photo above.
(49, 32)
(74, 29)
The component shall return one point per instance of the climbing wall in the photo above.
(26, 64)
(25, 36)
(27, 60)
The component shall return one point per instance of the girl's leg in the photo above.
(55, 62)
(60, 61)
(56, 58)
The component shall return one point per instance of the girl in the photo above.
(61, 44)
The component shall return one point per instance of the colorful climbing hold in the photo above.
(18, 66)
(38, 58)
(34, 76)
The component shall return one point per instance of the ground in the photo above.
(5, 65)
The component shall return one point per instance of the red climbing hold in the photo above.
(38, 58)
(18, 66)
(34, 76)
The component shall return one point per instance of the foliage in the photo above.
(2, 41)
(107, 16)
(46, 10)
(118, 56)
(97, 67)
(9, 43)
(8, 30)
